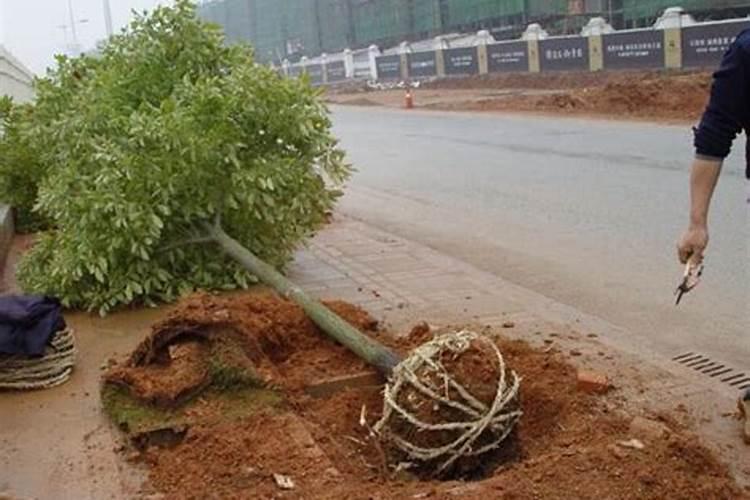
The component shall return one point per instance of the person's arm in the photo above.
(722, 121)
(703, 178)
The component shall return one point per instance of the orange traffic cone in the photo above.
(408, 99)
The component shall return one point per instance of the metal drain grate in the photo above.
(715, 369)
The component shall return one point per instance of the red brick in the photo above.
(592, 382)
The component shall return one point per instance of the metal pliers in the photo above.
(690, 280)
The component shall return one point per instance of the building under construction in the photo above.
(289, 29)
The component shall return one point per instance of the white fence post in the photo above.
(440, 44)
(349, 62)
(483, 39)
(373, 53)
(404, 49)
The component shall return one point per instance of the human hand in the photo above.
(692, 244)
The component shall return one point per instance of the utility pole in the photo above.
(107, 18)
(72, 23)
(73, 48)
(64, 28)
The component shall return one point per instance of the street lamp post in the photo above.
(108, 18)
(73, 47)
(72, 22)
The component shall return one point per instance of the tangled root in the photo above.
(452, 398)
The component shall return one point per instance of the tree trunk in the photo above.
(366, 348)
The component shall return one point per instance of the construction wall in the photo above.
(15, 78)
(290, 29)
(699, 45)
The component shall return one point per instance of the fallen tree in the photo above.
(167, 127)
(168, 143)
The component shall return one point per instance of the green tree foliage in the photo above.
(166, 130)
(20, 172)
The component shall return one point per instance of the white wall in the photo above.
(15, 78)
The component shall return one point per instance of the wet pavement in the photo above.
(586, 212)
(56, 443)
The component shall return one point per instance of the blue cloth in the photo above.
(728, 110)
(28, 323)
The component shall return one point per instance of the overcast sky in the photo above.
(31, 29)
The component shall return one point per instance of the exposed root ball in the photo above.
(453, 398)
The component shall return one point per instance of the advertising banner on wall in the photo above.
(422, 64)
(510, 56)
(564, 54)
(336, 71)
(389, 67)
(634, 49)
(461, 61)
(703, 45)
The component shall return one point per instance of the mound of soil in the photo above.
(268, 338)
(666, 98)
(359, 101)
(536, 81)
(567, 445)
(655, 95)
(562, 80)
(676, 98)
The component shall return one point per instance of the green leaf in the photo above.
(99, 275)
(157, 221)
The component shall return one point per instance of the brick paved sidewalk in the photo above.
(394, 278)
(402, 282)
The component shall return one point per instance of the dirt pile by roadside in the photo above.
(568, 444)
(562, 80)
(675, 98)
(659, 96)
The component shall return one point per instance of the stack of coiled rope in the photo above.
(53, 368)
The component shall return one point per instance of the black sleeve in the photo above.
(727, 109)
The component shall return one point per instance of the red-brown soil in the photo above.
(650, 95)
(567, 445)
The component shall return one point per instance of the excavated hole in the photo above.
(263, 419)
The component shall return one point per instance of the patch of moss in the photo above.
(227, 376)
(234, 388)
(133, 416)
(239, 402)
(136, 418)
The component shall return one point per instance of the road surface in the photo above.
(585, 212)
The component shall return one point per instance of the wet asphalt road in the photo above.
(586, 212)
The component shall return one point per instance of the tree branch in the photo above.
(189, 241)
